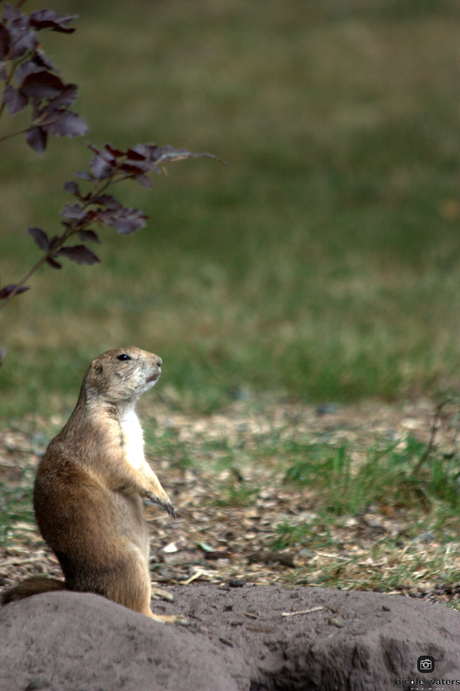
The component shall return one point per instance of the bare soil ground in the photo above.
(248, 638)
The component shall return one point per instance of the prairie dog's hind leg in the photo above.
(159, 593)
(169, 618)
(132, 588)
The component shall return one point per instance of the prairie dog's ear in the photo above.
(98, 368)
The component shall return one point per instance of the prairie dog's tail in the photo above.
(29, 587)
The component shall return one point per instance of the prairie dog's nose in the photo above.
(158, 361)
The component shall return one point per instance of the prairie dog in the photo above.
(91, 483)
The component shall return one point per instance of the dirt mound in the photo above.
(238, 639)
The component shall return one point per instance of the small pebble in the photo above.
(38, 683)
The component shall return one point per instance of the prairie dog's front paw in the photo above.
(163, 502)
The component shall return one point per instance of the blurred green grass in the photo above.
(321, 263)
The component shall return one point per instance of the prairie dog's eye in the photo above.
(123, 357)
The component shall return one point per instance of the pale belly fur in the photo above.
(133, 439)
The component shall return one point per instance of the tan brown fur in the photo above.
(91, 485)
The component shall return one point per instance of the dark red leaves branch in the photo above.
(40, 86)
(37, 80)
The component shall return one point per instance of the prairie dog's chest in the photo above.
(133, 439)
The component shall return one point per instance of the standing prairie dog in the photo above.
(90, 487)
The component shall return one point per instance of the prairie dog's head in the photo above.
(122, 374)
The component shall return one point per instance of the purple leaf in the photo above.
(72, 188)
(28, 42)
(14, 100)
(100, 167)
(74, 212)
(134, 155)
(126, 226)
(125, 221)
(54, 263)
(108, 201)
(42, 85)
(27, 67)
(36, 138)
(47, 19)
(22, 41)
(4, 42)
(133, 169)
(7, 290)
(66, 97)
(106, 155)
(21, 38)
(43, 61)
(79, 254)
(83, 175)
(144, 180)
(89, 236)
(151, 152)
(112, 150)
(144, 150)
(65, 124)
(11, 14)
(41, 238)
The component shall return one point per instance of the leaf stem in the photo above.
(14, 134)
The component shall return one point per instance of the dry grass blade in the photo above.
(303, 611)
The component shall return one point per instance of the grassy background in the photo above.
(322, 262)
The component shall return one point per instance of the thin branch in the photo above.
(43, 122)
(24, 280)
(125, 220)
(433, 431)
(15, 134)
